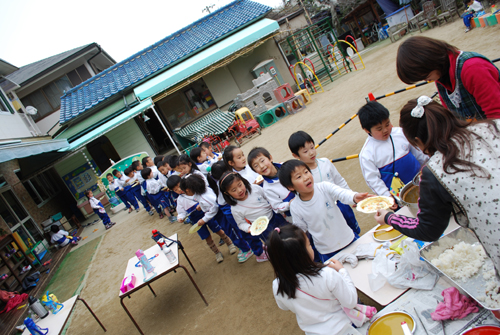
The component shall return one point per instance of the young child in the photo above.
(194, 186)
(261, 161)
(473, 7)
(62, 237)
(236, 161)
(158, 159)
(248, 202)
(314, 210)
(302, 146)
(147, 162)
(156, 195)
(122, 190)
(135, 189)
(386, 153)
(204, 163)
(162, 178)
(210, 153)
(227, 222)
(186, 207)
(99, 209)
(316, 293)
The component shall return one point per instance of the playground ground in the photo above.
(239, 295)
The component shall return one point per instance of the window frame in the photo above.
(52, 193)
(4, 102)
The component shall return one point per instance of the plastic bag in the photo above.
(383, 266)
(412, 272)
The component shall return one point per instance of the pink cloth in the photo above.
(454, 306)
(15, 301)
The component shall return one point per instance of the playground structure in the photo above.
(317, 57)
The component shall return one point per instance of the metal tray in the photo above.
(474, 286)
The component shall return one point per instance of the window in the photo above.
(4, 104)
(41, 188)
(48, 98)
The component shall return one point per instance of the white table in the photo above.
(360, 273)
(56, 322)
(161, 266)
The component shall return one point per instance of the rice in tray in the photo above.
(462, 261)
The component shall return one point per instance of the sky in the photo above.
(31, 30)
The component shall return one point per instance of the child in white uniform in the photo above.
(236, 161)
(204, 163)
(314, 210)
(302, 146)
(386, 152)
(320, 292)
(261, 161)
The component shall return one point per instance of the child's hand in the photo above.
(380, 216)
(180, 220)
(361, 196)
(395, 206)
(198, 208)
(201, 222)
(335, 264)
(249, 228)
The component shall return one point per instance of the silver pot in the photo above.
(412, 204)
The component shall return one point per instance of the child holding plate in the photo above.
(248, 203)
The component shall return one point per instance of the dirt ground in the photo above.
(239, 295)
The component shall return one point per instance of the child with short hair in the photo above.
(314, 210)
(147, 162)
(122, 190)
(156, 195)
(186, 206)
(235, 161)
(228, 223)
(315, 292)
(302, 146)
(157, 159)
(248, 202)
(98, 208)
(386, 153)
(62, 237)
(261, 161)
(194, 186)
(135, 189)
(204, 163)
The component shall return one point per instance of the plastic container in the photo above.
(168, 252)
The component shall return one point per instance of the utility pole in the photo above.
(306, 12)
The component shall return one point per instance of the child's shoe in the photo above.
(137, 209)
(244, 256)
(172, 219)
(232, 249)
(79, 238)
(130, 210)
(218, 257)
(262, 257)
(162, 215)
(151, 212)
(109, 226)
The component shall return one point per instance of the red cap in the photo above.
(154, 231)
(371, 97)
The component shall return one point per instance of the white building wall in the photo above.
(48, 122)
(12, 126)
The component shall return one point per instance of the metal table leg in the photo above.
(188, 260)
(92, 312)
(194, 283)
(152, 290)
(130, 316)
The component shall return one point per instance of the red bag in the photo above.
(5, 296)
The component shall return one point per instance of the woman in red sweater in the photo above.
(468, 83)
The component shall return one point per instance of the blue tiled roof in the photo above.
(159, 56)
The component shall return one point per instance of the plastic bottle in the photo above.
(168, 252)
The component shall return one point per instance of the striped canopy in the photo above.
(215, 122)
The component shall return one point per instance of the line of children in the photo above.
(135, 189)
(195, 186)
(236, 161)
(99, 209)
(156, 194)
(122, 190)
(204, 157)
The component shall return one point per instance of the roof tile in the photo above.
(159, 56)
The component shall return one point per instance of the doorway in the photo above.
(102, 151)
(154, 132)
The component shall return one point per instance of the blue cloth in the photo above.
(103, 216)
(254, 242)
(349, 217)
(229, 225)
(277, 221)
(407, 167)
(467, 18)
(136, 191)
(212, 224)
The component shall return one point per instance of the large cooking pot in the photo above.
(409, 197)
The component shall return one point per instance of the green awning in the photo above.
(206, 58)
(215, 122)
(106, 127)
(95, 120)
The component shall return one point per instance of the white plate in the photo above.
(257, 229)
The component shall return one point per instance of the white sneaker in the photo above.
(218, 257)
(232, 249)
(467, 30)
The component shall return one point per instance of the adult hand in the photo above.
(201, 222)
(361, 196)
(335, 264)
(380, 216)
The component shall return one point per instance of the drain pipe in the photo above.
(165, 128)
